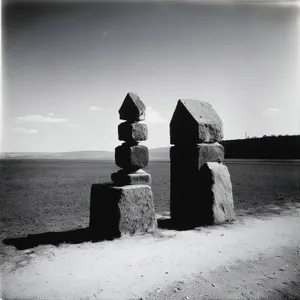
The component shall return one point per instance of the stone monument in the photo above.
(201, 191)
(126, 205)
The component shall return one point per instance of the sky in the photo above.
(67, 67)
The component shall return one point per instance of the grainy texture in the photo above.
(123, 178)
(39, 196)
(131, 157)
(121, 210)
(215, 195)
(132, 109)
(132, 132)
(195, 122)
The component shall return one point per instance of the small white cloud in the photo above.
(41, 119)
(72, 125)
(51, 114)
(95, 108)
(153, 116)
(26, 131)
(105, 33)
(271, 111)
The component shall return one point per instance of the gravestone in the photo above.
(195, 131)
(125, 206)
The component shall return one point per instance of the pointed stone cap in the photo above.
(132, 109)
(195, 122)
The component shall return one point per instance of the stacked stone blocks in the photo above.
(199, 180)
(126, 205)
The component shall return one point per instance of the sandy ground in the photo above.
(253, 258)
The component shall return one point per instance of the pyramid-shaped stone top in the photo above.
(195, 122)
(132, 109)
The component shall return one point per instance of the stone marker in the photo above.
(126, 205)
(130, 157)
(196, 155)
(123, 178)
(195, 129)
(216, 191)
(121, 210)
(132, 132)
(132, 109)
(195, 122)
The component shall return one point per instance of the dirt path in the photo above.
(250, 259)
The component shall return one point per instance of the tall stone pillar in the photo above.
(201, 191)
(126, 205)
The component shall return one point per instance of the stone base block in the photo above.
(216, 194)
(131, 157)
(206, 201)
(186, 162)
(132, 132)
(121, 178)
(121, 210)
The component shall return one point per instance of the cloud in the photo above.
(271, 111)
(41, 119)
(72, 125)
(26, 131)
(153, 116)
(95, 108)
(51, 114)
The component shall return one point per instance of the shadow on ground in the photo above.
(79, 236)
(76, 236)
(169, 224)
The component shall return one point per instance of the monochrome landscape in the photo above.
(118, 180)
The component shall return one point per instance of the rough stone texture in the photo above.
(121, 210)
(185, 158)
(216, 194)
(132, 109)
(131, 157)
(203, 199)
(139, 177)
(185, 165)
(132, 132)
(195, 122)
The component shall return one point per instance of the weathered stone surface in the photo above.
(132, 109)
(203, 199)
(123, 178)
(216, 194)
(121, 210)
(131, 157)
(186, 158)
(132, 132)
(195, 122)
(186, 162)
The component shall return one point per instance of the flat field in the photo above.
(255, 257)
(54, 195)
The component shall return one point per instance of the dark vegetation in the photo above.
(266, 147)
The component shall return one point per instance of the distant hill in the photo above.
(270, 147)
(267, 147)
(155, 154)
(159, 153)
(105, 155)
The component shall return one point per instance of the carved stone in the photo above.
(195, 122)
(132, 132)
(132, 109)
